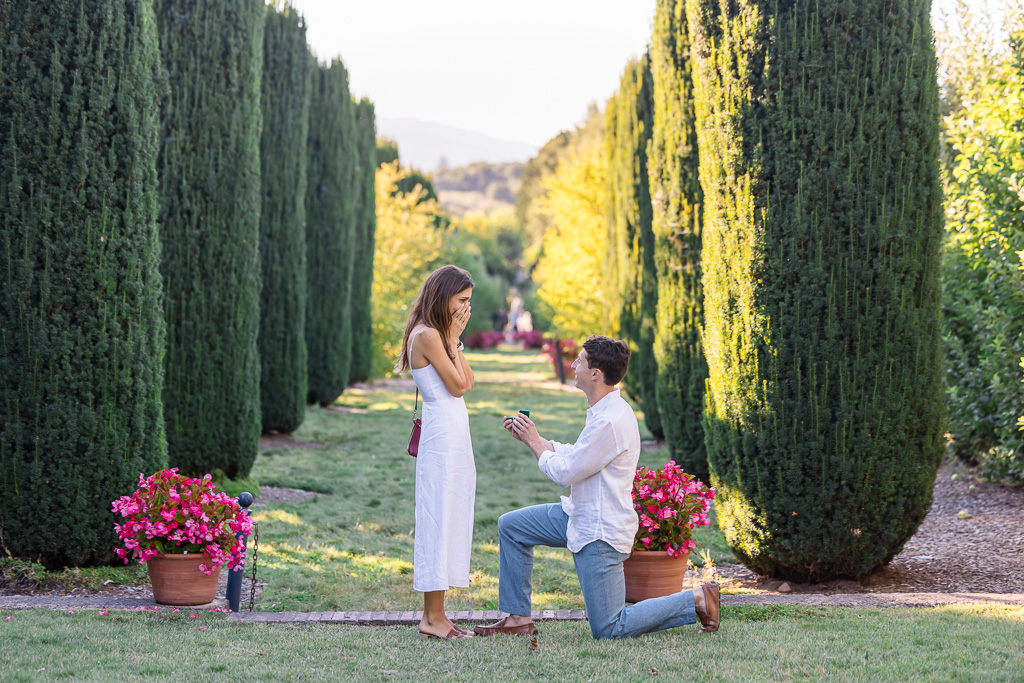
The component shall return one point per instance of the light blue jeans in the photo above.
(599, 568)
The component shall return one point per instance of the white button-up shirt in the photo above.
(599, 468)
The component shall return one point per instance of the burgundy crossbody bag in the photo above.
(414, 438)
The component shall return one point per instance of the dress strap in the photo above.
(411, 340)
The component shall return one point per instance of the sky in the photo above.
(520, 71)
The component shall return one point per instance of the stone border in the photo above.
(411, 618)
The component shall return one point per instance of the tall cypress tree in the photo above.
(365, 227)
(330, 235)
(287, 80)
(819, 145)
(628, 129)
(81, 326)
(210, 229)
(677, 201)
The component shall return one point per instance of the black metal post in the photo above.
(235, 575)
(559, 367)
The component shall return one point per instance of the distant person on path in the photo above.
(500, 319)
(514, 311)
(445, 469)
(597, 521)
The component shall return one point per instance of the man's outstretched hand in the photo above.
(521, 427)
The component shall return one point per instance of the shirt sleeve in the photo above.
(568, 464)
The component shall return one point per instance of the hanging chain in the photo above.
(255, 554)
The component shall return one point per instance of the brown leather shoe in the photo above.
(711, 613)
(500, 627)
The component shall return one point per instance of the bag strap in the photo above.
(417, 405)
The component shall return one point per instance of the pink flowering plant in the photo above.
(174, 514)
(670, 504)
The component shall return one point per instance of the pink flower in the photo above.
(71, 611)
(102, 613)
(9, 618)
(202, 628)
(669, 504)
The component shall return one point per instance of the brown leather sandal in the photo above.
(455, 632)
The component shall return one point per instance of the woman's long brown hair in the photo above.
(430, 307)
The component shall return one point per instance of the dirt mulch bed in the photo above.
(983, 553)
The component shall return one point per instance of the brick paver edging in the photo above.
(409, 618)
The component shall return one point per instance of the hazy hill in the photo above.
(424, 144)
(477, 188)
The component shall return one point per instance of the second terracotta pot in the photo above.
(653, 574)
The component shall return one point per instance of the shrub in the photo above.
(287, 73)
(210, 231)
(365, 228)
(81, 322)
(677, 203)
(533, 339)
(332, 194)
(821, 256)
(484, 339)
(631, 259)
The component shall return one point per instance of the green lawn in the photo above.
(351, 549)
(978, 643)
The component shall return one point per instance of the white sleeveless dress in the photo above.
(445, 486)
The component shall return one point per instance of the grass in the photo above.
(976, 643)
(351, 549)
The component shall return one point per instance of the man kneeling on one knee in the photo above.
(597, 521)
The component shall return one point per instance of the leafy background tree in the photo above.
(821, 257)
(984, 285)
(287, 82)
(677, 201)
(387, 150)
(408, 248)
(570, 273)
(331, 206)
(81, 325)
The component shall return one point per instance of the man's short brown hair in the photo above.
(610, 356)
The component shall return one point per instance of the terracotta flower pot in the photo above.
(177, 580)
(653, 574)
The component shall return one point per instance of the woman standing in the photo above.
(445, 470)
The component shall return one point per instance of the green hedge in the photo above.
(365, 226)
(983, 284)
(331, 203)
(81, 325)
(628, 129)
(210, 230)
(677, 202)
(287, 82)
(818, 130)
